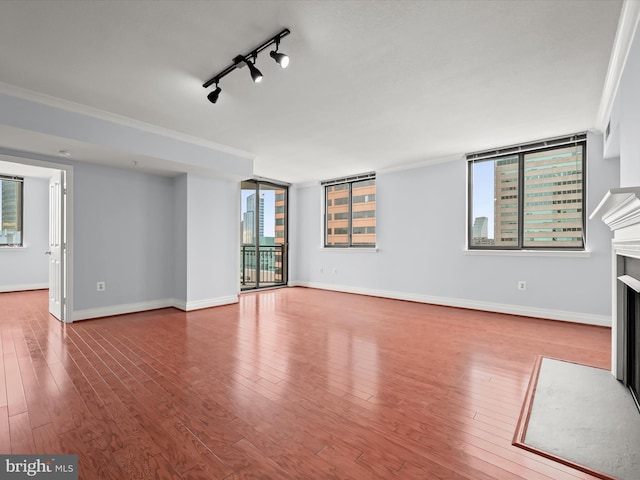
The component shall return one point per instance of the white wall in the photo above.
(156, 241)
(626, 116)
(180, 239)
(27, 268)
(124, 236)
(213, 241)
(421, 256)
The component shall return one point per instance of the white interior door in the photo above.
(56, 246)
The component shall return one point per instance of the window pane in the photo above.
(337, 210)
(494, 202)
(11, 211)
(363, 216)
(553, 198)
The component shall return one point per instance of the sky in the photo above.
(269, 209)
(483, 201)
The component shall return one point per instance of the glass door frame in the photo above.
(269, 250)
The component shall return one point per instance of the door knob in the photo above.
(48, 253)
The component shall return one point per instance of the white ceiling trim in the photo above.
(627, 26)
(423, 163)
(29, 167)
(397, 168)
(81, 109)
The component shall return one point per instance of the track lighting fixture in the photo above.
(249, 60)
(213, 96)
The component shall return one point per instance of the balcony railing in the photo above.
(270, 265)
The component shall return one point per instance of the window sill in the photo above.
(4, 247)
(531, 253)
(350, 249)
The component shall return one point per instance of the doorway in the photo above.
(58, 243)
(263, 234)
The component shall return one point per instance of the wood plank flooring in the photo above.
(289, 383)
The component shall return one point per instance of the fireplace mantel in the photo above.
(619, 208)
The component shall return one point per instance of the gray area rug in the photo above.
(584, 415)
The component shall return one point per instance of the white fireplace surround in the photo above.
(620, 210)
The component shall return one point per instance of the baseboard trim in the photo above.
(23, 287)
(208, 303)
(110, 311)
(574, 317)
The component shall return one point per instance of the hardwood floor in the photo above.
(289, 383)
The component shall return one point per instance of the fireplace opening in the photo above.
(628, 323)
(632, 370)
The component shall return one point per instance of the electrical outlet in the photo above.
(101, 286)
(522, 285)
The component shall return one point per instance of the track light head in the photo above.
(280, 58)
(213, 96)
(256, 75)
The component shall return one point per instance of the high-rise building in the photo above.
(280, 213)
(505, 222)
(249, 220)
(363, 213)
(552, 203)
(280, 233)
(480, 228)
(11, 221)
(338, 214)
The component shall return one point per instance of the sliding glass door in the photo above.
(263, 235)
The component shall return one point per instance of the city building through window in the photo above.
(350, 211)
(528, 196)
(11, 211)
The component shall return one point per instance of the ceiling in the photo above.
(372, 84)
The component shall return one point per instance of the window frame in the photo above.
(348, 181)
(20, 213)
(522, 151)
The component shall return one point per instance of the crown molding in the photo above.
(619, 208)
(55, 102)
(627, 25)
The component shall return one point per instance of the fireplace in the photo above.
(620, 210)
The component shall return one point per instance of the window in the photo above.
(350, 212)
(529, 196)
(11, 211)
